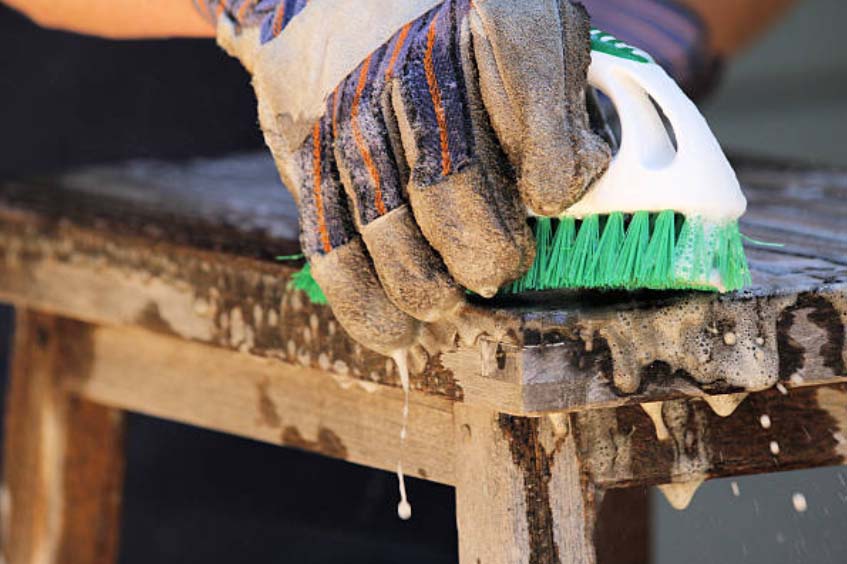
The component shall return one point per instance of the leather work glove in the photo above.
(416, 164)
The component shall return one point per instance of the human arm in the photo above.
(118, 19)
(733, 24)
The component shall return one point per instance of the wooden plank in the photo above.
(262, 399)
(63, 460)
(129, 245)
(662, 348)
(521, 496)
(624, 447)
(229, 301)
(623, 532)
(569, 361)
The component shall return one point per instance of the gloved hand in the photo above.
(414, 174)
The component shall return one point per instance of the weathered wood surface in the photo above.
(623, 447)
(259, 398)
(521, 494)
(62, 461)
(186, 250)
(339, 416)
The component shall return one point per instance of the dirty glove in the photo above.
(415, 135)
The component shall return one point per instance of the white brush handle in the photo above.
(647, 174)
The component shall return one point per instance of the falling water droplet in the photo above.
(799, 502)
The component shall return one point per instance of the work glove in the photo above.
(416, 170)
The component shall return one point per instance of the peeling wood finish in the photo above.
(229, 301)
(127, 245)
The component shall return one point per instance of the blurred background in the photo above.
(197, 496)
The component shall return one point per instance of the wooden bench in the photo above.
(152, 287)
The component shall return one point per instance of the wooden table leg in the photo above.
(521, 496)
(62, 459)
(623, 527)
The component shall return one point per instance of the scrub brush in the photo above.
(660, 217)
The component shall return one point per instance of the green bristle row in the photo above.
(660, 251)
(663, 250)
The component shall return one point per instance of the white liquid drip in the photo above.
(799, 502)
(724, 405)
(654, 410)
(404, 509)
(679, 494)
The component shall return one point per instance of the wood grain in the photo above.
(622, 447)
(519, 480)
(63, 460)
(263, 399)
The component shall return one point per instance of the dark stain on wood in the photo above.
(327, 443)
(623, 527)
(83, 443)
(93, 482)
(268, 414)
(828, 319)
(802, 428)
(76, 348)
(534, 462)
(436, 378)
(500, 357)
(824, 315)
(734, 445)
(150, 318)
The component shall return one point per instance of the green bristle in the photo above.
(657, 265)
(554, 275)
(606, 259)
(731, 263)
(661, 250)
(581, 263)
(632, 251)
(302, 280)
(543, 247)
